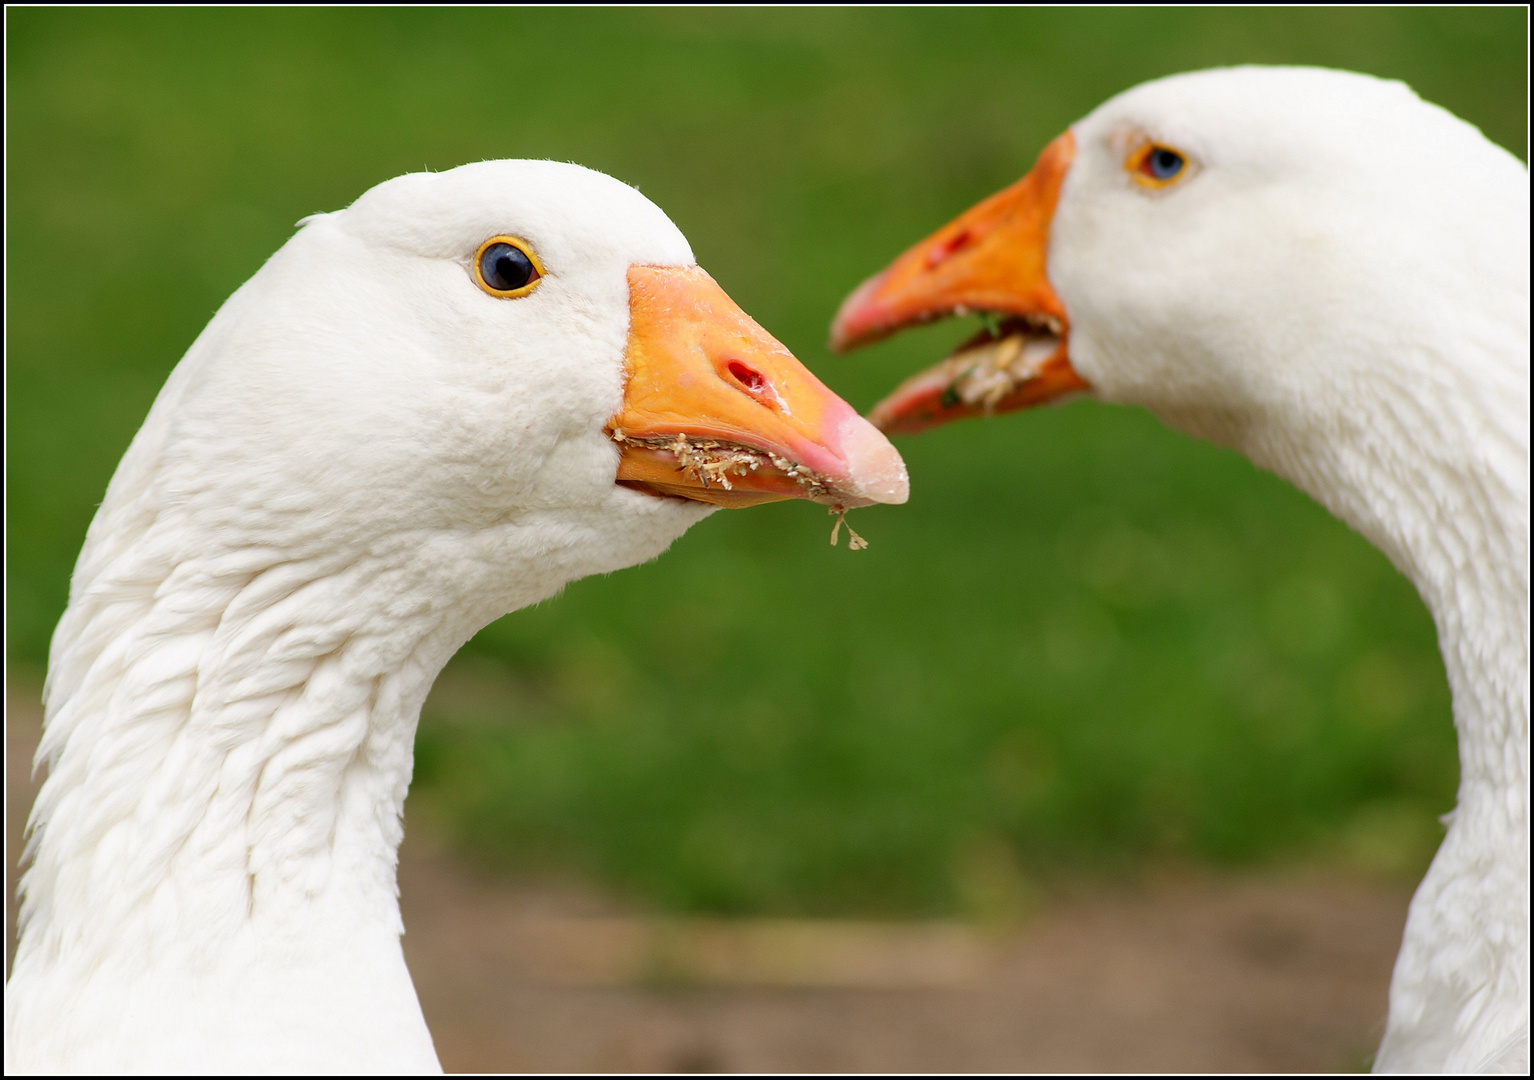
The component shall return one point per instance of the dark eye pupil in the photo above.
(1165, 164)
(506, 267)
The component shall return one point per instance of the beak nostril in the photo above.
(751, 379)
(952, 246)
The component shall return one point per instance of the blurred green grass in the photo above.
(1086, 642)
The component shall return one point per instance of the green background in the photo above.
(1085, 644)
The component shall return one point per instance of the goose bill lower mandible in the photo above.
(986, 375)
(717, 471)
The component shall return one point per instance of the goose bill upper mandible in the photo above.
(716, 410)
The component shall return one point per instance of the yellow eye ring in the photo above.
(507, 267)
(1156, 166)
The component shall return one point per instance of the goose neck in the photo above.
(217, 834)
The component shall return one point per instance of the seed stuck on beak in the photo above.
(1019, 367)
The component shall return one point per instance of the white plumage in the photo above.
(1334, 281)
(1342, 295)
(362, 460)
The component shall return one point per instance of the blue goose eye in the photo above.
(1163, 164)
(505, 266)
(1156, 166)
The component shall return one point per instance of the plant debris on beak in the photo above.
(996, 362)
(713, 461)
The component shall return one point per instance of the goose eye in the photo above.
(506, 266)
(1163, 164)
(1157, 166)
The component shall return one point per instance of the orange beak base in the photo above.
(990, 259)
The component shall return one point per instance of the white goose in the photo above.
(1329, 275)
(409, 422)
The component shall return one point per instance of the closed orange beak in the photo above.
(716, 410)
(991, 259)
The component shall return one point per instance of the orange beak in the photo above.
(990, 259)
(716, 410)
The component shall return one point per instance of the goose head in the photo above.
(517, 365)
(1251, 253)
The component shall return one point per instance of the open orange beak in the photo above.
(716, 410)
(991, 260)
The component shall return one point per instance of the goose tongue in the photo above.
(716, 410)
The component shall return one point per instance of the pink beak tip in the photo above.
(875, 471)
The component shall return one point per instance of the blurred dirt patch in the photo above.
(1281, 973)
(1178, 972)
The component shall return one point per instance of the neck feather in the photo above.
(229, 745)
(1437, 477)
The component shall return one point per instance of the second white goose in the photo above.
(1331, 276)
